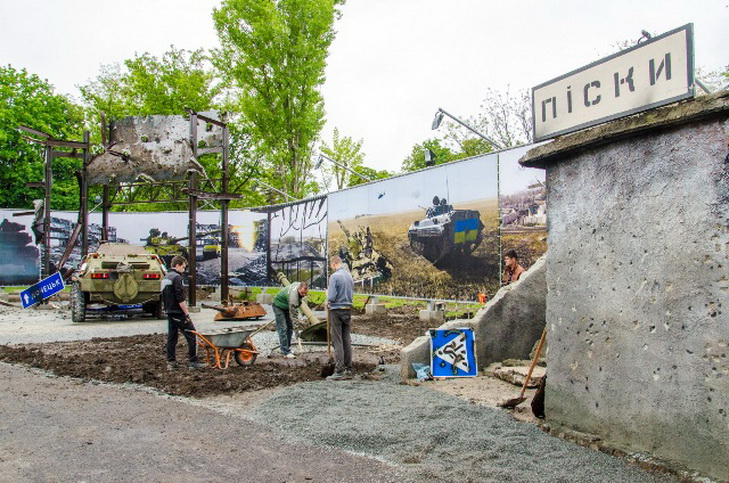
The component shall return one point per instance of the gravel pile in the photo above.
(267, 341)
(434, 437)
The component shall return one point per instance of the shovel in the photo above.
(328, 369)
(514, 402)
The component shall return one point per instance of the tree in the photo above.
(148, 85)
(371, 173)
(508, 117)
(273, 57)
(29, 100)
(347, 152)
(416, 160)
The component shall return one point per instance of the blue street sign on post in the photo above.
(42, 290)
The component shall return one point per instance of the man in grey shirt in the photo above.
(339, 302)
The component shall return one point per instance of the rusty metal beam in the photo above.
(215, 150)
(35, 132)
(66, 144)
(206, 195)
(202, 117)
(62, 154)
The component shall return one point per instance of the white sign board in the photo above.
(654, 73)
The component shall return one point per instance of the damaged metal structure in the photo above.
(148, 159)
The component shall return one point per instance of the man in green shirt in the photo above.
(286, 302)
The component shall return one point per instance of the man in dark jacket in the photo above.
(178, 316)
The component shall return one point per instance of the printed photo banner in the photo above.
(452, 353)
(298, 238)
(430, 234)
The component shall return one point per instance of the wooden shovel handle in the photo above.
(534, 362)
(329, 337)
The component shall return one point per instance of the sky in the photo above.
(392, 63)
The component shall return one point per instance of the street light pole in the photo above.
(265, 185)
(322, 156)
(436, 123)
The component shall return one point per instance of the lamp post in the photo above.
(436, 123)
(265, 185)
(322, 157)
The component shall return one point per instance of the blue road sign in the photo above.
(42, 290)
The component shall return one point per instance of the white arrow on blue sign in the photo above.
(42, 290)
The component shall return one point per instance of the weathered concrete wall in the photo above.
(638, 277)
(505, 328)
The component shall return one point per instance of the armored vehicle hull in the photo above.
(118, 274)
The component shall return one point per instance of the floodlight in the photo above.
(437, 120)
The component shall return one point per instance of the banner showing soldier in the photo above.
(431, 234)
(523, 208)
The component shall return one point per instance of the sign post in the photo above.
(42, 290)
(651, 74)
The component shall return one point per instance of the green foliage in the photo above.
(370, 173)
(273, 57)
(416, 160)
(347, 152)
(29, 100)
(504, 118)
(147, 85)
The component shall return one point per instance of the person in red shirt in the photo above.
(513, 270)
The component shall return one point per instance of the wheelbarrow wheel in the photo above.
(245, 358)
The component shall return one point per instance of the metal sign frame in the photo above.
(621, 82)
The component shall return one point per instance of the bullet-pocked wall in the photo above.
(638, 278)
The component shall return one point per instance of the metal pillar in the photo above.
(48, 184)
(192, 219)
(105, 205)
(498, 211)
(85, 199)
(224, 219)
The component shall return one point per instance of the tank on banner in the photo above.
(432, 233)
(445, 232)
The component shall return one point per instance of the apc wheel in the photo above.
(158, 311)
(78, 303)
(245, 358)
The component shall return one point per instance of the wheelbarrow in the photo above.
(220, 344)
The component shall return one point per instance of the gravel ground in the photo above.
(434, 437)
(60, 429)
(428, 435)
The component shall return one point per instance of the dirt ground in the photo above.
(140, 359)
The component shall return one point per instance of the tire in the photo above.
(78, 303)
(154, 308)
(243, 358)
(159, 312)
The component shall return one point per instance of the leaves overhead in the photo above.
(504, 117)
(147, 85)
(26, 99)
(273, 57)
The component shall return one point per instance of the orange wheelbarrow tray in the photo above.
(220, 344)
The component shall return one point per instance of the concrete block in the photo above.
(264, 298)
(374, 309)
(419, 352)
(193, 309)
(432, 317)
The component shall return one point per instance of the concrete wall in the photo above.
(505, 328)
(638, 278)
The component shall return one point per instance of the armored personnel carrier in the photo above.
(445, 231)
(118, 274)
